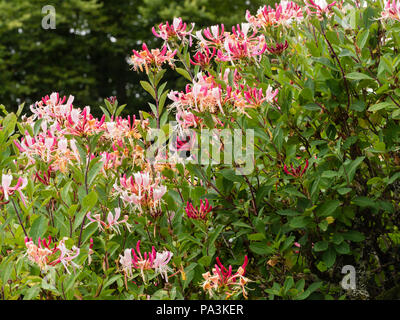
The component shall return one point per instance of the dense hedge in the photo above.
(315, 84)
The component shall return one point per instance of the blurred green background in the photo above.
(86, 54)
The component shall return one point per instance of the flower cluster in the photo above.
(198, 213)
(151, 59)
(45, 256)
(391, 10)
(178, 29)
(153, 260)
(113, 221)
(319, 7)
(240, 44)
(222, 280)
(252, 98)
(205, 95)
(278, 48)
(59, 122)
(203, 57)
(141, 190)
(298, 172)
(50, 148)
(285, 13)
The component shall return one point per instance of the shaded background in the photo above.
(86, 54)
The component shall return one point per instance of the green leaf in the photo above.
(261, 248)
(32, 292)
(352, 167)
(256, 236)
(230, 175)
(94, 170)
(337, 238)
(328, 208)
(204, 261)
(6, 270)
(89, 201)
(241, 224)
(38, 229)
(329, 257)
(147, 86)
(321, 246)
(299, 222)
(364, 202)
(362, 38)
(354, 236)
(343, 248)
(184, 73)
(358, 76)
(382, 105)
(313, 287)
(344, 191)
(288, 212)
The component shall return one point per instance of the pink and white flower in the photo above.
(178, 29)
(155, 58)
(153, 260)
(319, 7)
(391, 10)
(6, 180)
(284, 14)
(113, 222)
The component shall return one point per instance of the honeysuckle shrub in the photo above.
(100, 209)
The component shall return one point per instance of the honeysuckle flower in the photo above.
(5, 184)
(44, 177)
(198, 213)
(66, 256)
(52, 108)
(41, 253)
(160, 264)
(119, 128)
(126, 262)
(222, 280)
(6, 180)
(141, 190)
(239, 45)
(298, 172)
(391, 10)
(186, 119)
(319, 7)
(178, 29)
(49, 148)
(152, 260)
(54, 145)
(112, 99)
(112, 222)
(278, 48)
(251, 98)
(203, 57)
(285, 13)
(154, 58)
(256, 97)
(213, 36)
(203, 95)
(82, 123)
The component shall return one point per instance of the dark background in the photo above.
(86, 54)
